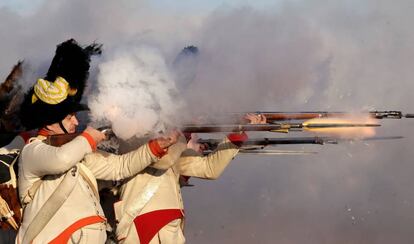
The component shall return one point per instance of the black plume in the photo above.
(71, 62)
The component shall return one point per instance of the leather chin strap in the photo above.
(63, 127)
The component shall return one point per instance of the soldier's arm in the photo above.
(210, 166)
(107, 166)
(213, 165)
(173, 154)
(42, 159)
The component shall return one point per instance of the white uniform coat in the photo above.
(168, 195)
(41, 161)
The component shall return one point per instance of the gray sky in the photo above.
(282, 55)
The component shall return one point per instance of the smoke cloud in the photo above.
(135, 92)
(250, 58)
(291, 55)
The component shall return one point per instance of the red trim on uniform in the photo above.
(43, 132)
(148, 224)
(67, 233)
(90, 140)
(237, 138)
(186, 178)
(156, 149)
(26, 135)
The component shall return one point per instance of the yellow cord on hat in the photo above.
(52, 92)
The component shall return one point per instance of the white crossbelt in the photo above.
(136, 204)
(52, 205)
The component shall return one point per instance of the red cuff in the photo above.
(237, 138)
(91, 141)
(156, 149)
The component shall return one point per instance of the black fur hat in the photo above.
(66, 78)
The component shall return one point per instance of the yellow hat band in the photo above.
(52, 92)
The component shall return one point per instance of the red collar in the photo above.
(43, 132)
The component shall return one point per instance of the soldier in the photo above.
(151, 209)
(57, 185)
(10, 209)
(10, 98)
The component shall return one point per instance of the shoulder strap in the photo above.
(85, 176)
(135, 203)
(31, 193)
(52, 205)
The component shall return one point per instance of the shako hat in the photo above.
(51, 99)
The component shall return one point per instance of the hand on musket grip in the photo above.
(174, 143)
(169, 139)
(194, 145)
(255, 118)
(95, 134)
(251, 118)
(238, 138)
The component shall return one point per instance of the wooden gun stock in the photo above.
(59, 140)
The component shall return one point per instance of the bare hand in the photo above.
(255, 118)
(194, 145)
(168, 139)
(95, 134)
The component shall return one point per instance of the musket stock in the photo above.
(61, 139)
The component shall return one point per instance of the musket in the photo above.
(58, 140)
(61, 139)
(272, 152)
(275, 127)
(280, 116)
(263, 142)
(256, 145)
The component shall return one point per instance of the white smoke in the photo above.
(296, 55)
(251, 59)
(135, 91)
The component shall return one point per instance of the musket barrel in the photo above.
(286, 141)
(229, 128)
(340, 125)
(276, 141)
(260, 143)
(293, 116)
(278, 116)
(265, 127)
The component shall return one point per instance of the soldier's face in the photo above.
(70, 122)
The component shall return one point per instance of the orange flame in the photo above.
(344, 132)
